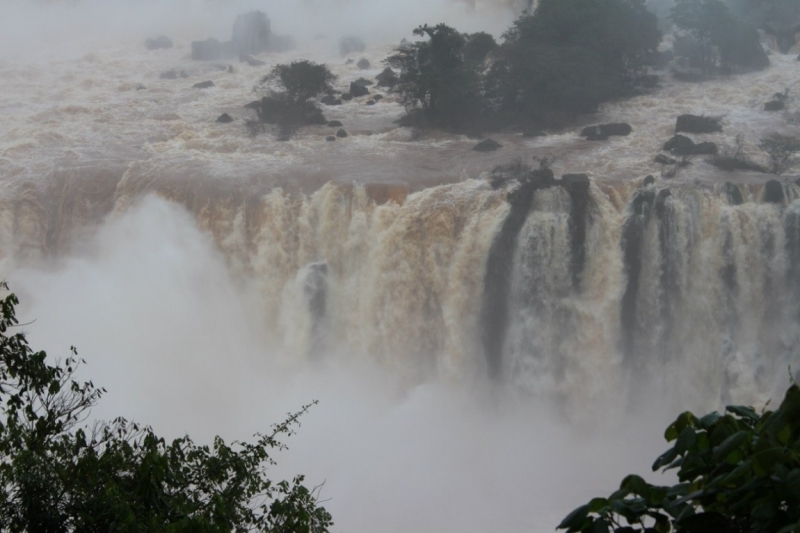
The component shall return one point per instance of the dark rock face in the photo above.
(661, 159)
(378, 97)
(350, 45)
(250, 60)
(364, 82)
(334, 124)
(649, 180)
(256, 104)
(733, 193)
(203, 85)
(775, 105)
(577, 185)
(357, 90)
(371, 102)
(208, 50)
(773, 192)
(487, 145)
(251, 33)
(682, 145)
(387, 78)
(363, 64)
(330, 138)
(224, 118)
(347, 97)
(160, 42)
(697, 124)
(330, 100)
(341, 134)
(602, 132)
(533, 133)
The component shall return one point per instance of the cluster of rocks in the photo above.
(251, 35)
(778, 101)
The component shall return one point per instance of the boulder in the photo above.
(224, 118)
(371, 102)
(649, 180)
(357, 90)
(250, 60)
(347, 97)
(256, 104)
(697, 124)
(363, 64)
(682, 145)
(602, 132)
(364, 82)
(387, 78)
(251, 33)
(330, 138)
(203, 85)
(331, 100)
(661, 159)
(334, 124)
(378, 97)
(733, 193)
(575, 182)
(341, 134)
(487, 145)
(350, 45)
(158, 43)
(775, 105)
(208, 50)
(773, 192)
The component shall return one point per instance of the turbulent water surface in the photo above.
(215, 280)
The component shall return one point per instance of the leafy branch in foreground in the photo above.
(59, 475)
(737, 472)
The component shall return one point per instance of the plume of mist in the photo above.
(177, 342)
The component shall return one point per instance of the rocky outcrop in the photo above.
(160, 42)
(363, 64)
(334, 124)
(203, 85)
(697, 124)
(341, 134)
(251, 33)
(208, 50)
(682, 145)
(487, 145)
(351, 45)
(357, 90)
(773, 192)
(774, 105)
(602, 132)
(387, 78)
(224, 118)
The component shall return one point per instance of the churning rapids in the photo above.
(481, 364)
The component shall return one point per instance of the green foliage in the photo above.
(737, 472)
(58, 475)
(300, 81)
(782, 151)
(443, 77)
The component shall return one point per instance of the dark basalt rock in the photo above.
(334, 124)
(349, 45)
(250, 60)
(602, 132)
(347, 97)
(773, 192)
(364, 82)
(203, 85)
(697, 124)
(649, 180)
(330, 138)
(733, 193)
(661, 159)
(487, 145)
(253, 105)
(775, 105)
(363, 64)
(251, 33)
(357, 90)
(208, 50)
(682, 145)
(331, 100)
(341, 134)
(224, 118)
(378, 97)
(371, 102)
(160, 42)
(387, 78)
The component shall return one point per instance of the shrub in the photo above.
(737, 472)
(300, 81)
(782, 151)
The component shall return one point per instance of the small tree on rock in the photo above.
(300, 80)
(782, 151)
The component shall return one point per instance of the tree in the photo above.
(300, 80)
(443, 76)
(782, 151)
(738, 472)
(568, 56)
(59, 475)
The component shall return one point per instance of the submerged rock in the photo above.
(357, 90)
(341, 134)
(682, 145)
(203, 85)
(697, 124)
(330, 138)
(602, 132)
(487, 145)
(363, 64)
(224, 118)
(775, 105)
